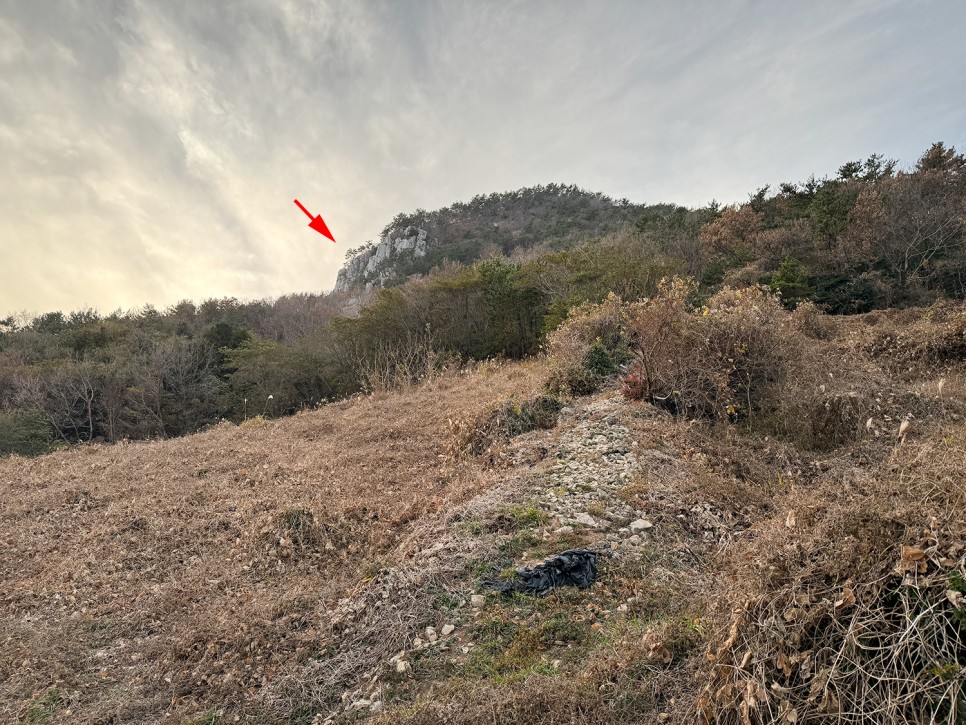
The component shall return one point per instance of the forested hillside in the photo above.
(533, 220)
(874, 236)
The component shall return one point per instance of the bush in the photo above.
(599, 360)
(504, 421)
(25, 433)
(573, 380)
(587, 347)
(725, 361)
(742, 357)
(808, 319)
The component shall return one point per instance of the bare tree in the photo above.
(65, 394)
(112, 398)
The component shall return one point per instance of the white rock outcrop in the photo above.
(367, 268)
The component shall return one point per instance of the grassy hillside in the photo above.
(772, 548)
(185, 575)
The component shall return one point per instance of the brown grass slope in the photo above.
(801, 561)
(805, 562)
(173, 577)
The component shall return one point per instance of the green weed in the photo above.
(42, 708)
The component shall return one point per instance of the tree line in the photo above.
(873, 236)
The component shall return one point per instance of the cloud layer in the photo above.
(150, 150)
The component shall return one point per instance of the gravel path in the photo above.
(592, 462)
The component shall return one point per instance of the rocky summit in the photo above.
(377, 265)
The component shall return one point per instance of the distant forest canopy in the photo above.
(873, 236)
(522, 223)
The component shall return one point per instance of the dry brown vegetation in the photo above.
(804, 561)
(179, 576)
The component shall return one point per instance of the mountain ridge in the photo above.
(552, 216)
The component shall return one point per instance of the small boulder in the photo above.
(585, 519)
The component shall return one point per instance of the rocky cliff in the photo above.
(379, 264)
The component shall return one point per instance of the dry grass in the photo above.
(805, 564)
(809, 577)
(175, 577)
(847, 608)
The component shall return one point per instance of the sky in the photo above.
(150, 150)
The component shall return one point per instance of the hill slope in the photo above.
(174, 576)
(326, 567)
(554, 216)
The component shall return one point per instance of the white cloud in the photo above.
(11, 43)
(150, 151)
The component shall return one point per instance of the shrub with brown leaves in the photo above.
(724, 361)
(587, 347)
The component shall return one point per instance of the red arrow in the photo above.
(317, 224)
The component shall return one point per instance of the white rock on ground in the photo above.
(586, 519)
(594, 460)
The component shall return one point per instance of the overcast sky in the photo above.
(150, 150)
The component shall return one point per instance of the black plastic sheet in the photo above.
(574, 568)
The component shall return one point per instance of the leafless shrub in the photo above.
(378, 619)
(936, 338)
(808, 319)
(849, 607)
(829, 421)
(885, 651)
(401, 364)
